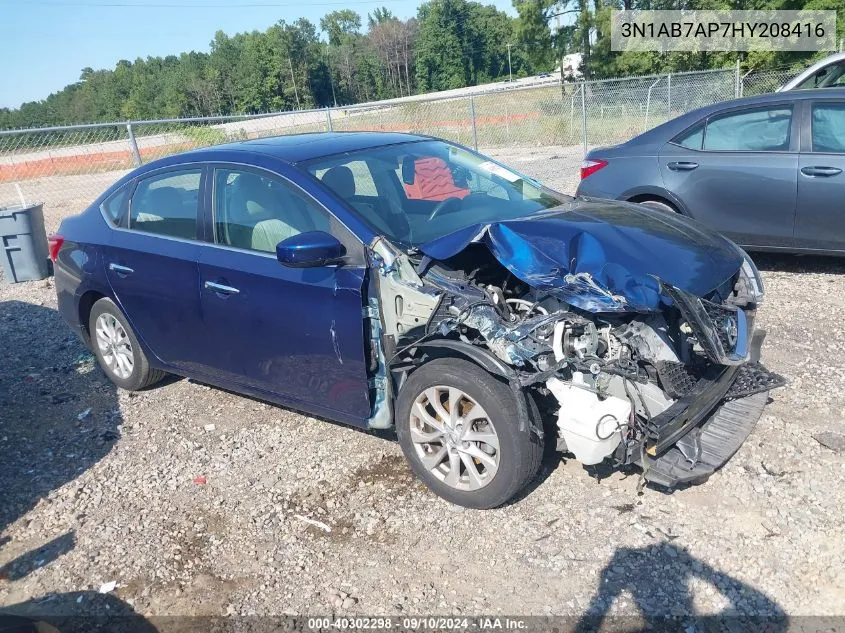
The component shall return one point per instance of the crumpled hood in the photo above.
(603, 256)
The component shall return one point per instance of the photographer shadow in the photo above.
(658, 578)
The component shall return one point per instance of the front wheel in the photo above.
(457, 426)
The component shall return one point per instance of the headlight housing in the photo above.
(750, 279)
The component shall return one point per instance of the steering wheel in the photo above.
(448, 205)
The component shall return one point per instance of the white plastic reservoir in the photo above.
(590, 426)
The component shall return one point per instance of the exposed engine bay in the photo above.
(621, 385)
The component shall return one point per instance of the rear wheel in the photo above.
(659, 206)
(457, 426)
(117, 348)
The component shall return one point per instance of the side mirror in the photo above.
(309, 250)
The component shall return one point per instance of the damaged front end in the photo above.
(633, 367)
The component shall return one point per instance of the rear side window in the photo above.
(757, 130)
(167, 204)
(115, 207)
(829, 127)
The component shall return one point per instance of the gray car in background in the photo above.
(767, 171)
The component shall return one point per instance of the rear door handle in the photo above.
(820, 171)
(222, 289)
(121, 270)
(682, 166)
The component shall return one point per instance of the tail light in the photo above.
(54, 243)
(591, 166)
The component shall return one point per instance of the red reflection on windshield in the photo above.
(433, 181)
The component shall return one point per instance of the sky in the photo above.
(44, 44)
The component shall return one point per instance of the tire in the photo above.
(499, 473)
(114, 357)
(658, 206)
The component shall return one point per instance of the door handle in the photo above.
(121, 270)
(820, 171)
(682, 166)
(224, 290)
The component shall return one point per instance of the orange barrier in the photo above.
(105, 161)
(82, 163)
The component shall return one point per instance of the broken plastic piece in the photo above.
(314, 522)
(108, 587)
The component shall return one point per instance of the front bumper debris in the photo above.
(701, 439)
(707, 447)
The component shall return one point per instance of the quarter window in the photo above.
(167, 204)
(256, 212)
(829, 127)
(691, 139)
(758, 130)
(114, 208)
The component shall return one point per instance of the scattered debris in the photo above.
(84, 414)
(61, 398)
(831, 440)
(108, 587)
(209, 427)
(314, 522)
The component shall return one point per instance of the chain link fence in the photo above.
(541, 130)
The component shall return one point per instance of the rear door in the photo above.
(820, 221)
(151, 263)
(737, 173)
(297, 333)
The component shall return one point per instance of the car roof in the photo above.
(667, 130)
(294, 148)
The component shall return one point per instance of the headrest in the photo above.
(340, 180)
(252, 196)
(162, 199)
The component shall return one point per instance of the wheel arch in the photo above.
(448, 348)
(84, 305)
(656, 194)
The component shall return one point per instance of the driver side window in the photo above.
(255, 211)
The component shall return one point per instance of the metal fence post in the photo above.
(584, 113)
(669, 95)
(133, 145)
(648, 101)
(329, 126)
(737, 81)
(472, 118)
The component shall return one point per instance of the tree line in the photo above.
(298, 65)
(343, 60)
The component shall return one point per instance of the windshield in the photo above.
(418, 191)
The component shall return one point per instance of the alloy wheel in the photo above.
(454, 438)
(115, 346)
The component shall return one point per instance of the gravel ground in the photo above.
(194, 500)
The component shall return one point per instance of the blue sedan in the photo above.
(400, 281)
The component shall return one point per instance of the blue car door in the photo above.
(293, 333)
(151, 264)
(820, 221)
